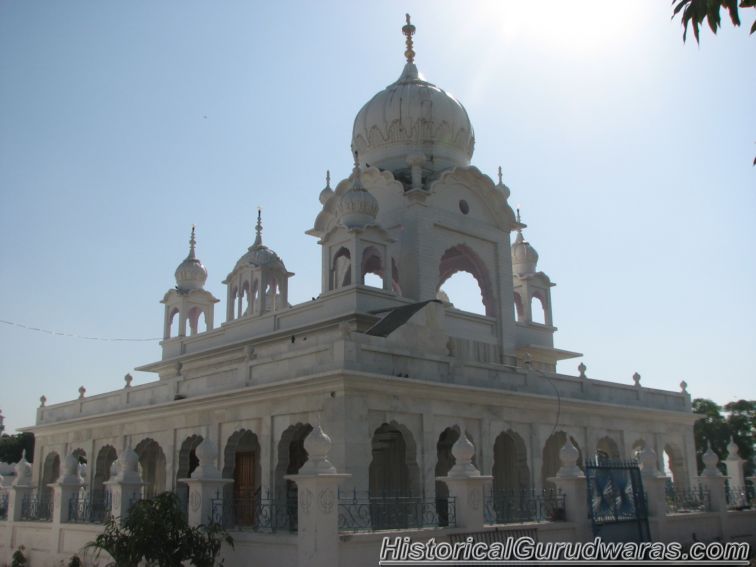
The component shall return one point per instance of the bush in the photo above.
(157, 532)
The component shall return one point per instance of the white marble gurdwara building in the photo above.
(390, 372)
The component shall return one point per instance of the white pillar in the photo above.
(126, 486)
(318, 518)
(713, 480)
(65, 488)
(570, 480)
(206, 487)
(466, 486)
(21, 489)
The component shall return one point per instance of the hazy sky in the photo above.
(122, 123)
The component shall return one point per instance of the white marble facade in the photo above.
(414, 212)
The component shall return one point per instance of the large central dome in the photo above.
(411, 117)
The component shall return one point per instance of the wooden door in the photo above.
(244, 487)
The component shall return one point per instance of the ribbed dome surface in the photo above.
(413, 116)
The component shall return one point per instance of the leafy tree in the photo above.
(157, 533)
(741, 419)
(694, 12)
(716, 428)
(11, 447)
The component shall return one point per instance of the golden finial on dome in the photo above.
(409, 31)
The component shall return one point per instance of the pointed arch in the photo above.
(187, 462)
(461, 258)
(551, 462)
(341, 268)
(291, 456)
(152, 466)
(241, 462)
(510, 463)
(607, 448)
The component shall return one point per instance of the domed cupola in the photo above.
(413, 117)
(258, 284)
(524, 256)
(357, 208)
(191, 273)
(189, 301)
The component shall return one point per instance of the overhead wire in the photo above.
(75, 335)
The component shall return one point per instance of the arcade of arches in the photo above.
(394, 468)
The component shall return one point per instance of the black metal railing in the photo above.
(738, 497)
(682, 499)
(518, 506)
(3, 505)
(256, 513)
(37, 507)
(91, 508)
(364, 511)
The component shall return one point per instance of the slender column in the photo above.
(318, 518)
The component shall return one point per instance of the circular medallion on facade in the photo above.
(305, 501)
(195, 500)
(326, 500)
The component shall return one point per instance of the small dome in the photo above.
(191, 273)
(524, 256)
(413, 116)
(357, 208)
(327, 192)
(258, 255)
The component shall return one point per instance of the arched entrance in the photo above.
(291, 456)
(187, 462)
(551, 461)
(152, 467)
(444, 462)
(242, 463)
(393, 477)
(106, 456)
(607, 449)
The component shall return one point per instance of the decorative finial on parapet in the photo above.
(409, 30)
(684, 387)
(42, 401)
(733, 451)
(82, 391)
(206, 453)
(128, 378)
(258, 228)
(318, 445)
(569, 455)
(23, 471)
(463, 451)
(636, 379)
(710, 460)
(582, 368)
(649, 463)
